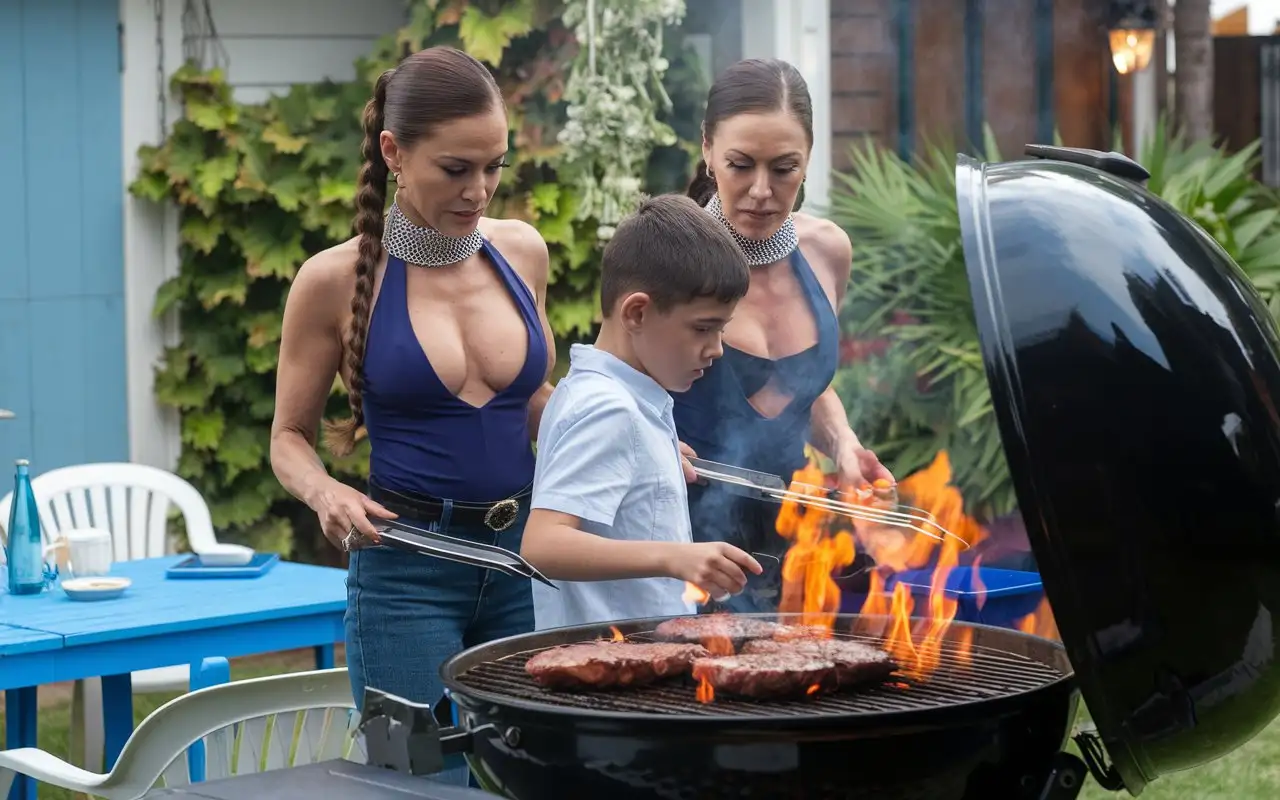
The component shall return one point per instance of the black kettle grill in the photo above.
(1134, 373)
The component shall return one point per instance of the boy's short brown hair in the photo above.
(671, 249)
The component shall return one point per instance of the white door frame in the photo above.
(799, 31)
(151, 44)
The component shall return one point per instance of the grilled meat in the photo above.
(767, 676)
(609, 665)
(715, 626)
(789, 633)
(855, 663)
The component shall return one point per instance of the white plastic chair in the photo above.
(131, 501)
(246, 726)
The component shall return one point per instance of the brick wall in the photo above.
(863, 76)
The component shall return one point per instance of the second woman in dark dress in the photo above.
(770, 394)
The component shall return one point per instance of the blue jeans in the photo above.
(406, 614)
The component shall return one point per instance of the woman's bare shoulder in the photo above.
(829, 241)
(522, 246)
(325, 281)
(333, 268)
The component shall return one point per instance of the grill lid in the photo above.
(1134, 376)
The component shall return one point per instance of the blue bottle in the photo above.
(25, 548)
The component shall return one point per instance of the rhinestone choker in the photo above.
(760, 252)
(425, 247)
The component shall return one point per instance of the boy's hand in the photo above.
(714, 567)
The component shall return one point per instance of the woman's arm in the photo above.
(310, 355)
(829, 428)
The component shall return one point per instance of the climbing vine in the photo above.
(260, 187)
(616, 97)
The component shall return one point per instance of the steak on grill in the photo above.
(855, 663)
(715, 626)
(794, 632)
(609, 665)
(767, 676)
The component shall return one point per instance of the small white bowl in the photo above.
(226, 555)
(100, 588)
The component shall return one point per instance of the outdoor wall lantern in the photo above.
(1132, 26)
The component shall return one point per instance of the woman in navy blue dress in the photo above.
(770, 393)
(433, 316)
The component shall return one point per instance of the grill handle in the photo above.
(411, 738)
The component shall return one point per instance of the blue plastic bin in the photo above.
(1010, 594)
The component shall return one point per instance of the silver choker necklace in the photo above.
(760, 252)
(425, 247)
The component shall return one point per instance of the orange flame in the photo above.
(822, 543)
(899, 642)
(694, 594)
(1040, 622)
(930, 490)
(706, 692)
(814, 556)
(617, 634)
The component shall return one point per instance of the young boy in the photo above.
(610, 518)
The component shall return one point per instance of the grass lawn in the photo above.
(1250, 773)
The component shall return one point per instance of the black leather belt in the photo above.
(496, 516)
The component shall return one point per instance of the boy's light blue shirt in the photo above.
(608, 454)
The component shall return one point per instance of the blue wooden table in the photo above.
(158, 622)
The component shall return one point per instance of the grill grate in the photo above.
(990, 673)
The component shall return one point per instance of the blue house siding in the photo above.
(62, 324)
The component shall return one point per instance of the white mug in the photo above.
(88, 550)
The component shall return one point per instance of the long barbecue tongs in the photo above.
(772, 488)
(429, 543)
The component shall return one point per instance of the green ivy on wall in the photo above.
(260, 187)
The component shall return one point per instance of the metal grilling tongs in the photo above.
(429, 543)
(763, 486)
(413, 539)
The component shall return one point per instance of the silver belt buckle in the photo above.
(502, 514)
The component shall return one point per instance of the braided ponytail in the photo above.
(371, 202)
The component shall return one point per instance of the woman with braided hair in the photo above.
(434, 317)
